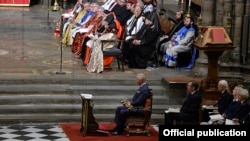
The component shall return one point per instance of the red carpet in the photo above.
(72, 130)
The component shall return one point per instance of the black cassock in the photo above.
(139, 55)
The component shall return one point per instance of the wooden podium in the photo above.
(213, 40)
(89, 126)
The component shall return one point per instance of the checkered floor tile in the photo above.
(35, 133)
(32, 133)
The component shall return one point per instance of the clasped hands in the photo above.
(126, 103)
(136, 42)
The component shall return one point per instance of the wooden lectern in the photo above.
(213, 40)
(88, 123)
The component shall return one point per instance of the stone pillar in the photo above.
(219, 13)
(227, 16)
(247, 6)
(208, 12)
(208, 18)
(237, 28)
(228, 25)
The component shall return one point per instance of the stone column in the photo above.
(219, 13)
(208, 12)
(228, 25)
(239, 13)
(247, 6)
(227, 16)
(208, 19)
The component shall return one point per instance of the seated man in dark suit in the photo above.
(242, 117)
(143, 45)
(189, 110)
(237, 104)
(221, 104)
(138, 100)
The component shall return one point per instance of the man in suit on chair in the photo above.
(138, 100)
(189, 110)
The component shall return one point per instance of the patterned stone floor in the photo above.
(34, 133)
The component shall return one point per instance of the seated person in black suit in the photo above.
(245, 120)
(189, 110)
(242, 116)
(142, 47)
(222, 103)
(240, 97)
(138, 100)
(225, 97)
(237, 108)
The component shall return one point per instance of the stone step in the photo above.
(68, 108)
(58, 100)
(66, 99)
(91, 81)
(56, 88)
(60, 118)
(70, 113)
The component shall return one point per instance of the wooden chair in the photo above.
(140, 124)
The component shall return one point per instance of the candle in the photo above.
(182, 1)
(189, 3)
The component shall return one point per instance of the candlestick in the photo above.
(181, 6)
(200, 20)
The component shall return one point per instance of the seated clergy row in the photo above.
(141, 26)
(93, 20)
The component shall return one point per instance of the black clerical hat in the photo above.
(150, 16)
